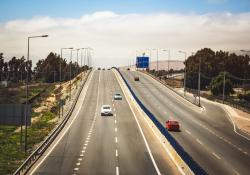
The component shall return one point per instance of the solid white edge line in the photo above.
(234, 126)
(144, 138)
(66, 130)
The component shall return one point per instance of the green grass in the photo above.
(11, 156)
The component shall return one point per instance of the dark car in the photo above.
(136, 79)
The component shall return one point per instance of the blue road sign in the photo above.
(142, 62)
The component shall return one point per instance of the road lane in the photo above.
(164, 105)
(116, 144)
(95, 144)
(61, 160)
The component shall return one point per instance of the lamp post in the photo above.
(70, 75)
(83, 59)
(27, 88)
(165, 50)
(157, 55)
(247, 52)
(199, 82)
(89, 55)
(185, 71)
(68, 48)
(150, 54)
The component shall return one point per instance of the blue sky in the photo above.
(24, 9)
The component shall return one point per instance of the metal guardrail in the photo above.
(192, 164)
(27, 164)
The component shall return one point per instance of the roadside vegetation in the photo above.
(213, 67)
(43, 95)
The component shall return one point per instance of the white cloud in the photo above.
(115, 37)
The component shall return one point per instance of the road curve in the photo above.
(208, 136)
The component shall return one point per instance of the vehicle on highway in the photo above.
(128, 68)
(106, 110)
(117, 96)
(172, 125)
(136, 79)
(103, 68)
(99, 68)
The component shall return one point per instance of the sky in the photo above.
(117, 29)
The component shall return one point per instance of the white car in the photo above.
(106, 110)
(118, 96)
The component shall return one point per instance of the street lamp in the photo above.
(67, 48)
(185, 72)
(27, 86)
(246, 51)
(89, 55)
(165, 50)
(157, 55)
(81, 58)
(150, 54)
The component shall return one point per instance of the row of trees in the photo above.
(46, 70)
(15, 69)
(213, 64)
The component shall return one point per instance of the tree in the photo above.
(216, 85)
(1, 66)
(212, 63)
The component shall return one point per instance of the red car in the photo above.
(172, 125)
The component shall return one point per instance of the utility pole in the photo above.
(157, 59)
(224, 84)
(27, 90)
(185, 72)
(70, 48)
(70, 72)
(168, 60)
(199, 82)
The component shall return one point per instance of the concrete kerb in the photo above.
(181, 165)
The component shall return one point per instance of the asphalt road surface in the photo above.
(94, 144)
(207, 135)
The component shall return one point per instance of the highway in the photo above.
(206, 134)
(94, 144)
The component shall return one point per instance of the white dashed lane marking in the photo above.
(188, 132)
(199, 141)
(215, 155)
(117, 170)
(116, 153)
